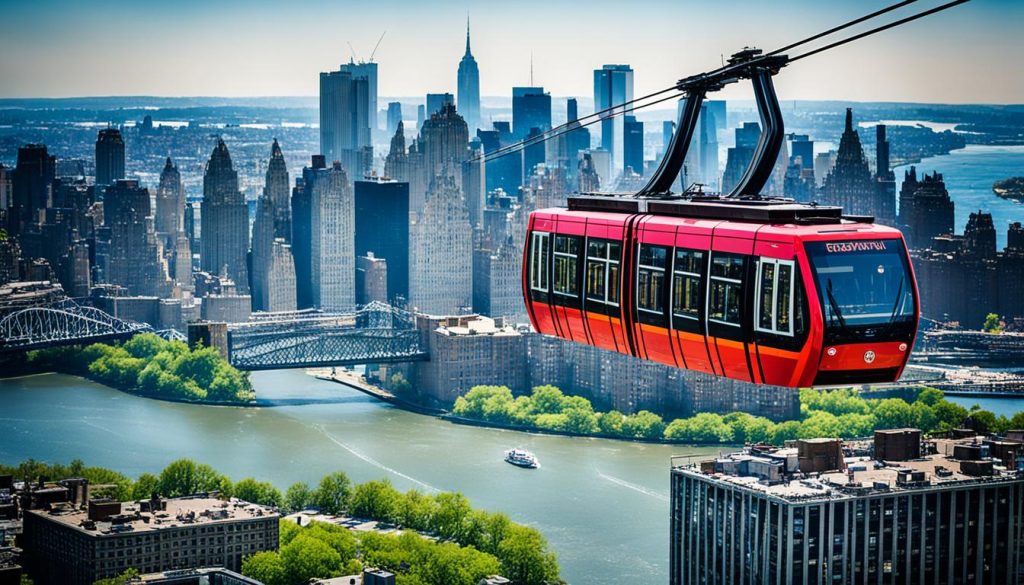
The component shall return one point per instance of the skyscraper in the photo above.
(613, 85)
(332, 238)
(802, 147)
(444, 139)
(109, 156)
(170, 201)
(474, 179)
(273, 269)
(531, 108)
(850, 184)
(276, 190)
(134, 257)
(394, 117)
(367, 72)
(739, 157)
(469, 87)
(345, 118)
(926, 210)
(633, 144)
(885, 180)
(441, 252)
(382, 228)
(225, 220)
(32, 186)
(435, 103)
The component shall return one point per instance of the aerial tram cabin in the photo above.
(763, 290)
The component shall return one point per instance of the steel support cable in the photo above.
(617, 110)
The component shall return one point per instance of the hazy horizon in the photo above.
(118, 48)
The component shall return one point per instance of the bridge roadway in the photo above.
(376, 333)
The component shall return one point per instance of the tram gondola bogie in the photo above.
(750, 301)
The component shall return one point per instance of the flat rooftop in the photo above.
(188, 511)
(476, 325)
(861, 477)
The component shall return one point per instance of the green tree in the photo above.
(298, 497)
(893, 413)
(416, 510)
(377, 500)
(450, 517)
(581, 421)
(924, 416)
(949, 414)
(643, 425)
(145, 345)
(332, 495)
(785, 431)
(145, 486)
(258, 492)
(992, 323)
(547, 399)
(122, 579)
(1017, 422)
(525, 559)
(307, 557)
(610, 422)
(930, 396)
(185, 477)
(266, 567)
(701, 428)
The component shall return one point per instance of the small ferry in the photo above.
(521, 458)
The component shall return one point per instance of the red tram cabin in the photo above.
(769, 292)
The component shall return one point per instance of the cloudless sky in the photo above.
(60, 48)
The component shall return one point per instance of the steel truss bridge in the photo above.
(376, 333)
(62, 323)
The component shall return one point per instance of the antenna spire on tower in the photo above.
(467, 34)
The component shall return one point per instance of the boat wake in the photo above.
(374, 462)
(635, 487)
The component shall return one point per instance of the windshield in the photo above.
(864, 289)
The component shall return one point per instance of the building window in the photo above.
(774, 296)
(603, 271)
(567, 250)
(650, 278)
(725, 289)
(686, 275)
(540, 248)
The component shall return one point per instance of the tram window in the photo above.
(539, 250)
(650, 278)
(566, 252)
(725, 289)
(686, 274)
(774, 296)
(603, 271)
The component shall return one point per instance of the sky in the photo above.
(236, 48)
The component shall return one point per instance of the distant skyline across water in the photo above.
(50, 48)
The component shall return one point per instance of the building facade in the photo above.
(332, 239)
(109, 156)
(851, 185)
(345, 119)
(76, 547)
(613, 85)
(926, 211)
(382, 229)
(441, 253)
(225, 220)
(776, 516)
(273, 269)
(469, 87)
(135, 261)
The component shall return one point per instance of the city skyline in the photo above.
(267, 50)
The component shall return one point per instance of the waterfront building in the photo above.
(226, 308)
(441, 252)
(394, 117)
(69, 545)
(926, 211)
(134, 257)
(435, 103)
(962, 279)
(941, 511)
(467, 351)
(109, 156)
(345, 119)
(851, 185)
(633, 144)
(469, 87)
(382, 229)
(613, 85)
(225, 220)
(371, 279)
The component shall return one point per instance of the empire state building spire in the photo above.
(469, 87)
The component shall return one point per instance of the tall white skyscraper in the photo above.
(469, 88)
(613, 85)
(332, 246)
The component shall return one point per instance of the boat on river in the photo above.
(521, 458)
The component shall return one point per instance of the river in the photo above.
(969, 174)
(602, 504)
